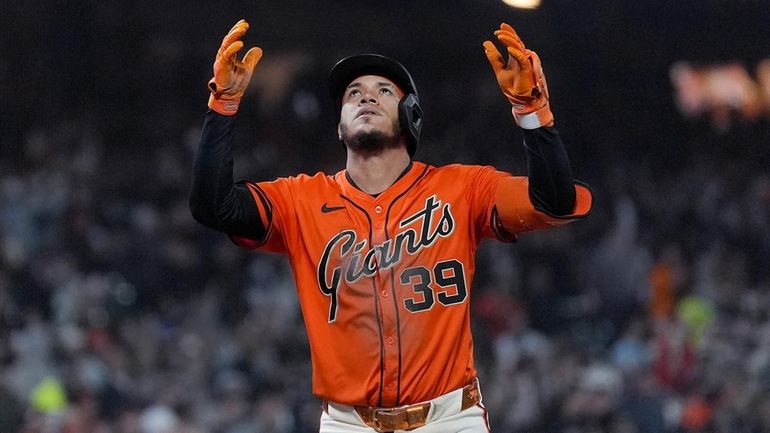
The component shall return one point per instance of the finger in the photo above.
(229, 52)
(235, 33)
(252, 57)
(510, 33)
(507, 27)
(510, 41)
(508, 30)
(494, 57)
(240, 24)
(511, 44)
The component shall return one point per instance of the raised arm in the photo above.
(520, 77)
(215, 201)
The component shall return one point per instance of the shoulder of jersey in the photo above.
(315, 179)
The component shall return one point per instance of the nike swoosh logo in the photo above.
(327, 209)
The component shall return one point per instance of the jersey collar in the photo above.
(408, 177)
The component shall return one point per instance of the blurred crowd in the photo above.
(120, 314)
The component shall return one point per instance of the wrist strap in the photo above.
(225, 107)
(536, 119)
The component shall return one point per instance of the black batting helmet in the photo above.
(409, 111)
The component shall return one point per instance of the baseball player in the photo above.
(383, 251)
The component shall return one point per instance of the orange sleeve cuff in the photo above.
(584, 201)
(518, 214)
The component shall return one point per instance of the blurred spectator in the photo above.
(11, 411)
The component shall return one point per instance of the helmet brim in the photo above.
(350, 68)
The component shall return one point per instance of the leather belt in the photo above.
(408, 417)
(398, 418)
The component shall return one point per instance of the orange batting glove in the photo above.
(521, 79)
(231, 76)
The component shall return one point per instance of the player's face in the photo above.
(369, 117)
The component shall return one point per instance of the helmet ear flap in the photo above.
(410, 120)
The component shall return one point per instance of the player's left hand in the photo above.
(521, 79)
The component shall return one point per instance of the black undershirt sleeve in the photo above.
(551, 186)
(215, 201)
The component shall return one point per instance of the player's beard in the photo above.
(371, 141)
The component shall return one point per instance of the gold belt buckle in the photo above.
(377, 423)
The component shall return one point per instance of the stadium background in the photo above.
(119, 314)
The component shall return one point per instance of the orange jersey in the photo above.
(384, 282)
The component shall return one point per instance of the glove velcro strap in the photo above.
(536, 119)
(226, 107)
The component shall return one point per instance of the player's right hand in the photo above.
(231, 76)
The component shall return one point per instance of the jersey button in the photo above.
(391, 386)
(389, 340)
(384, 293)
(378, 209)
(378, 225)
